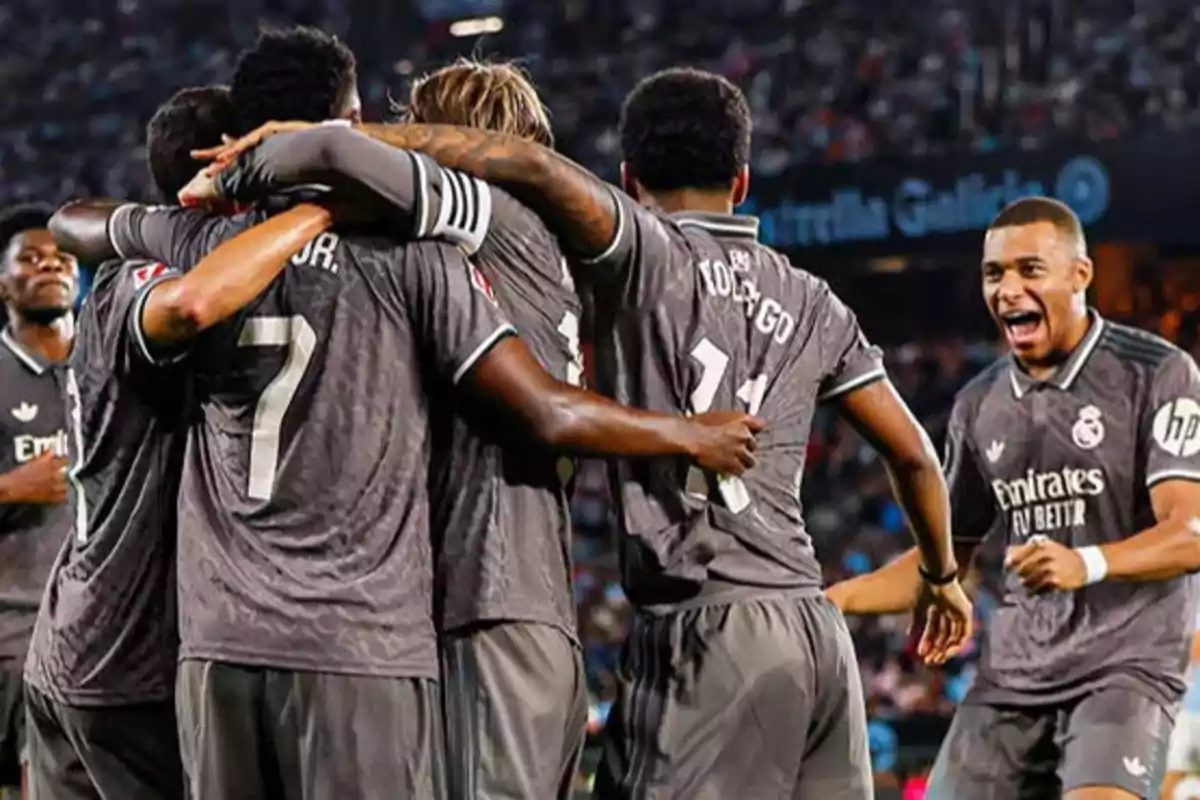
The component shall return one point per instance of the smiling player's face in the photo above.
(1034, 277)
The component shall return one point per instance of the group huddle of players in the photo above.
(316, 543)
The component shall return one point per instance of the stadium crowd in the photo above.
(827, 81)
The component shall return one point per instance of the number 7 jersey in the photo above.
(304, 513)
(695, 315)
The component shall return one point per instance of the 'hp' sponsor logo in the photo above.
(1177, 427)
(1083, 184)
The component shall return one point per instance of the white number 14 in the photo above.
(713, 366)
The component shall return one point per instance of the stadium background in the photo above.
(887, 134)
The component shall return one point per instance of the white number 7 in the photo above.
(298, 337)
(713, 365)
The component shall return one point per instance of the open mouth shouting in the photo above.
(1022, 328)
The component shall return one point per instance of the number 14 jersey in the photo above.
(695, 314)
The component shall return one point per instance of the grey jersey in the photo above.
(304, 516)
(693, 315)
(32, 422)
(500, 512)
(106, 633)
(500, 507)
(1073, 459)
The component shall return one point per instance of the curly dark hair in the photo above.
(299, 73)
(685, 128)
(22, 217)
(191, 119)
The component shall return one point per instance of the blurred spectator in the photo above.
(828, 81)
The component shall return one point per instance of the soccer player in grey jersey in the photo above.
(1081, 451)
(722, 692)
(305, 569)
(100, 676)
(513, 681)
(38, 286)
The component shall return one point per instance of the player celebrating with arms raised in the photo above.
(1082, 449)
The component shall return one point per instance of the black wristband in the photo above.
(938, 580)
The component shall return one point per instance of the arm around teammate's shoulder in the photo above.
(572, 419)
(81, 228)
(575, 204)
(229, 278)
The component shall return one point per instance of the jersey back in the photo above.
(304, 515)
(106, 632)
(502, 521)
(694, 315)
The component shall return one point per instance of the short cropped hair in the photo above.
(22, 217)
(685, 128)
(296, 74)
(493, 97)
(1030, 210)
(191, 119)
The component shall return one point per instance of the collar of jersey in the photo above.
(1064, 377)
(736, 225)
(31, 362)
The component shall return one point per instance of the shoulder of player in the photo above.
(1135, 347)
(988, 379)
(520, 228)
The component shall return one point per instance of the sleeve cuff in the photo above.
(1154, 478)
(139, 336)
(618, 235)
(482, 349)
(857, 382)
(118, 215)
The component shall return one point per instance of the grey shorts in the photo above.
(758, 699)
(129, 752)
(251, 732)
(1113, 737)
(515, 702)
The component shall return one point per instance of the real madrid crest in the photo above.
(1088, 430)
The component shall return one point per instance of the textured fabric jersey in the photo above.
(1073, 459)
(106, 633)
(694, 314)
(304, 517)
(500, 513)
(32, 421)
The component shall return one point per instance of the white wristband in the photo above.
(1094, 562)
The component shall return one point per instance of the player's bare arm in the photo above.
(1167, 550)
(81, 228)
(230, 277)
(896, 587)
(576, 205)
(881, 417)
(565, 417)
(42, 481)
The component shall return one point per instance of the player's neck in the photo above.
(49, 340)
(703, 200)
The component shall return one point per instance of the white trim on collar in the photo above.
(22, 355)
